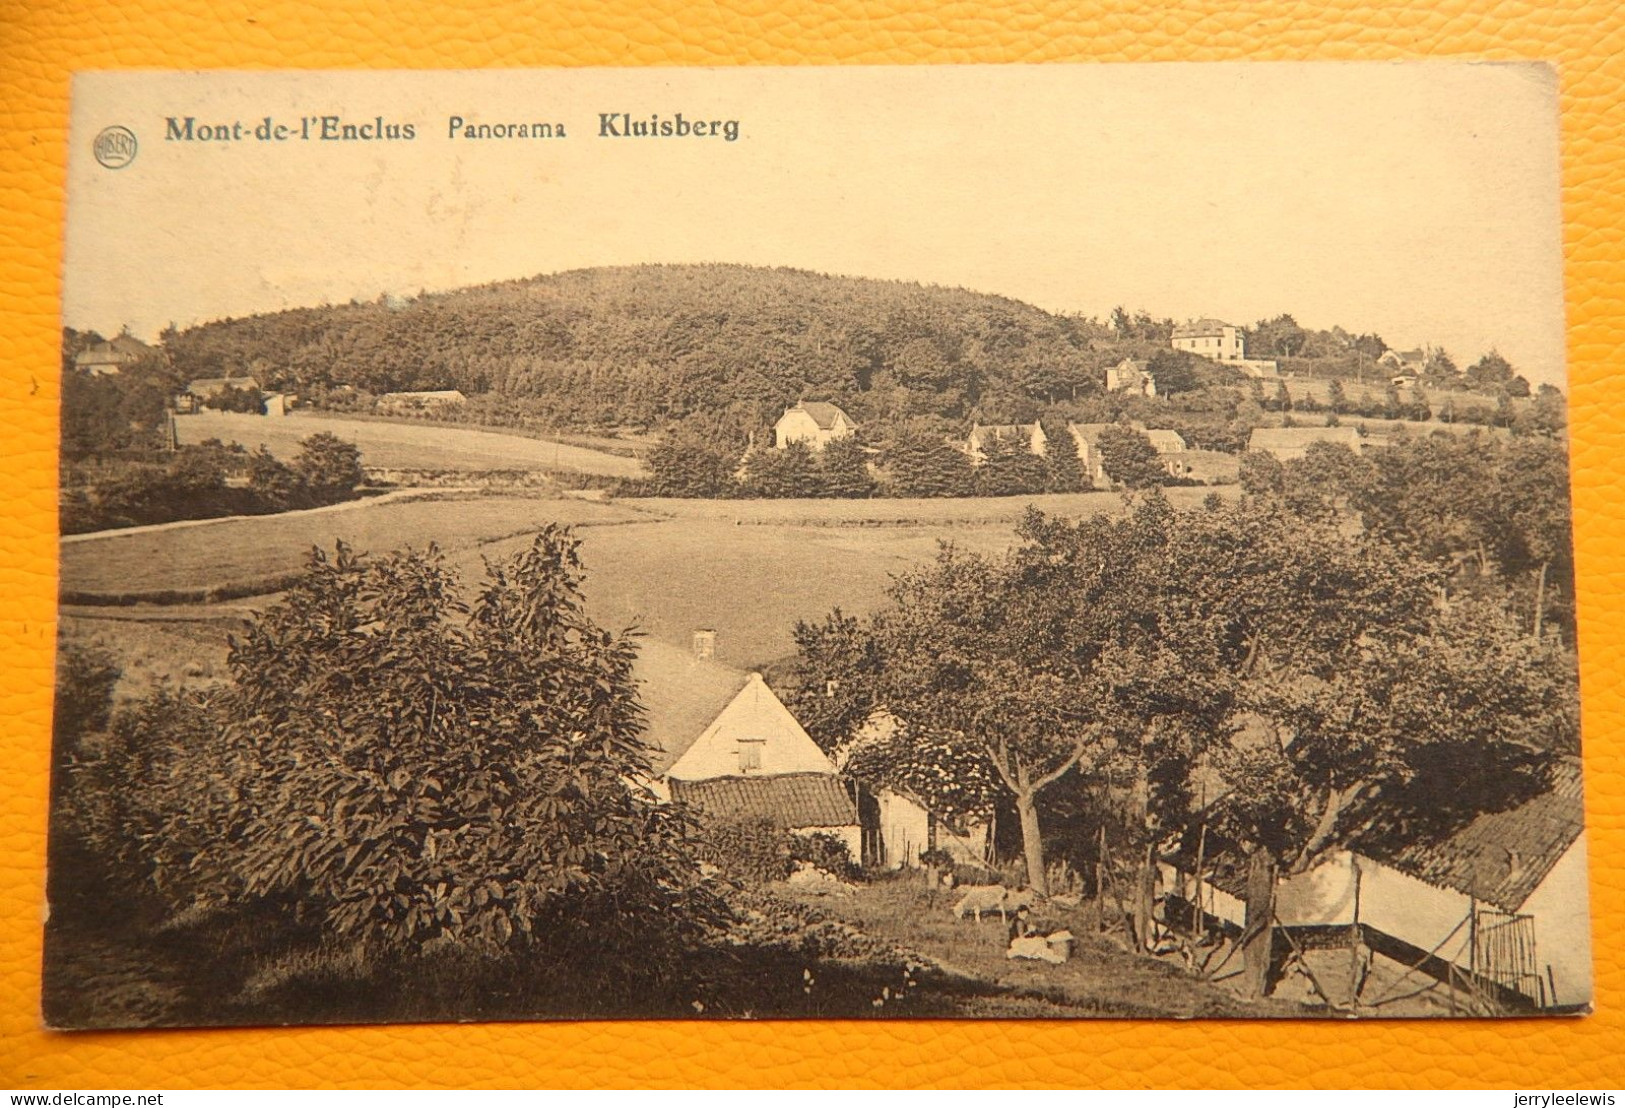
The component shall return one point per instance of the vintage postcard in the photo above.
(1063, 541)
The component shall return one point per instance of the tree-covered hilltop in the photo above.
(646, 345)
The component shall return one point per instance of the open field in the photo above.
(236, 555)
(749, 569)
(923, 512)
(406, 445)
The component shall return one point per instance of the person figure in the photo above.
(1026, 941)
(1021, 924)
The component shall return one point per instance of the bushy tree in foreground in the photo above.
(406, 768)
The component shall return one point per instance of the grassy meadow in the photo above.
(239, 553)
(749, 569)
(425, 446)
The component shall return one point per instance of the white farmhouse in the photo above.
(727, 745)
(1131, 375)
(813, 422)
(1028, 437)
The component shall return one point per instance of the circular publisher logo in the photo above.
(115, 147)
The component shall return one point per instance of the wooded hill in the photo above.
(646, 345)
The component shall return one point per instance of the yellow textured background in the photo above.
(43, 41)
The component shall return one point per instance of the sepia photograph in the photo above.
(975, 542)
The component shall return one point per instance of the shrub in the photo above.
(826, 852)
(750, 850)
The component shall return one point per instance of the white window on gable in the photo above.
(750, 755)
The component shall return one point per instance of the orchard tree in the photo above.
(329, 467)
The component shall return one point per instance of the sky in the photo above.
(1417, 200)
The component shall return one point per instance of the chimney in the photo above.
(705, 643)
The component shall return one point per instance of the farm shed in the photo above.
(405, 403)
(1501, 901)
(898, 828)
(905, 832)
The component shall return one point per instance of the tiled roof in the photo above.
(790, 800)
(1502, 857)
(1199, 328)
(823, 413)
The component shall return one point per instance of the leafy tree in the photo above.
(1175, 371)
(1262, 474)
(1280, 337)
(920, 462)
(1336, 398)
(791, 472)
(275, 487)
(1129, 458)
(1404, 731)
(843, 469)
(1490, 372)
(1008, 468)
(329, 467)
(697, 458)
(85, 679)
(1063, 471)
(1548, 415)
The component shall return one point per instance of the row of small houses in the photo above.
(818, 423)
(1498, 906)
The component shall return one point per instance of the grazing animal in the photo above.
(991, 898)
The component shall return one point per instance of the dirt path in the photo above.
(344, 506)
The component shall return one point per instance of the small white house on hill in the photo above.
(814, 422)
(1023, 437)
(1131, 375)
